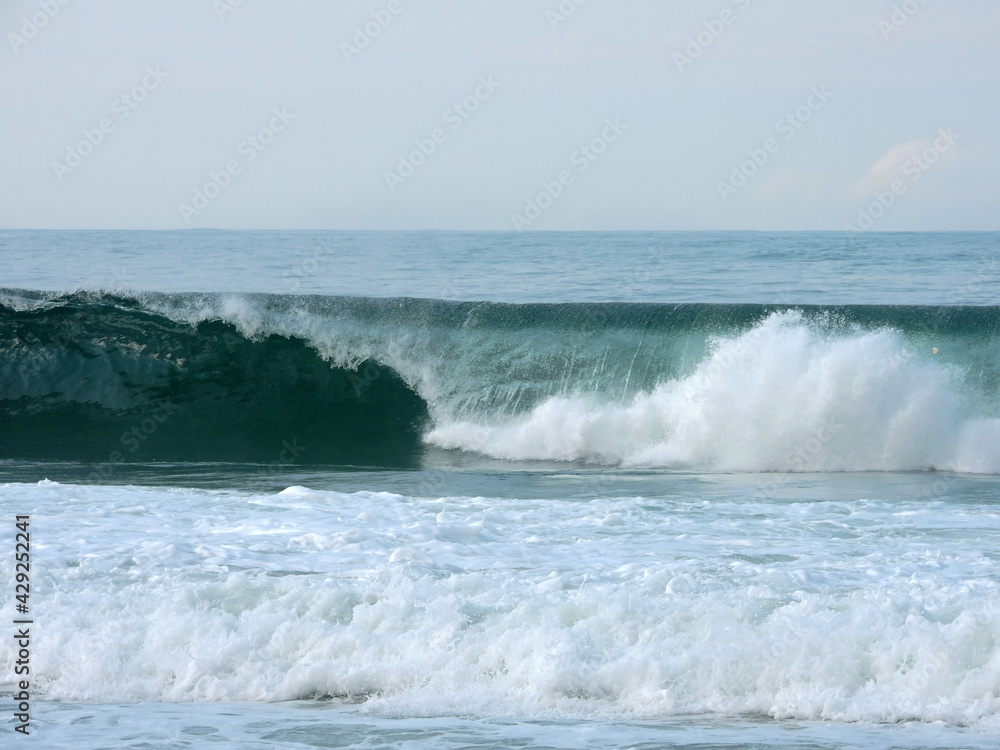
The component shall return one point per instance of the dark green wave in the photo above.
(94, 381)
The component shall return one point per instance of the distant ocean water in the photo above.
(396, 489)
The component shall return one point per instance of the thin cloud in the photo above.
(890, 167)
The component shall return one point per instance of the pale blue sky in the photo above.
(541, 88)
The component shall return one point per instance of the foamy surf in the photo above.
(477, 606)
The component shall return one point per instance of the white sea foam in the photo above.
(854, 611)
(784, 396)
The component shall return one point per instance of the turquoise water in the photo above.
(479, 489)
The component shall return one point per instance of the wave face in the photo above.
(694, 386)
(101, 379)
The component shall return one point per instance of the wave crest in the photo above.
(784, 396)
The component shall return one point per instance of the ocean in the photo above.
(484, 489)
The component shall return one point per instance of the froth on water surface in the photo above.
(528, 596)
